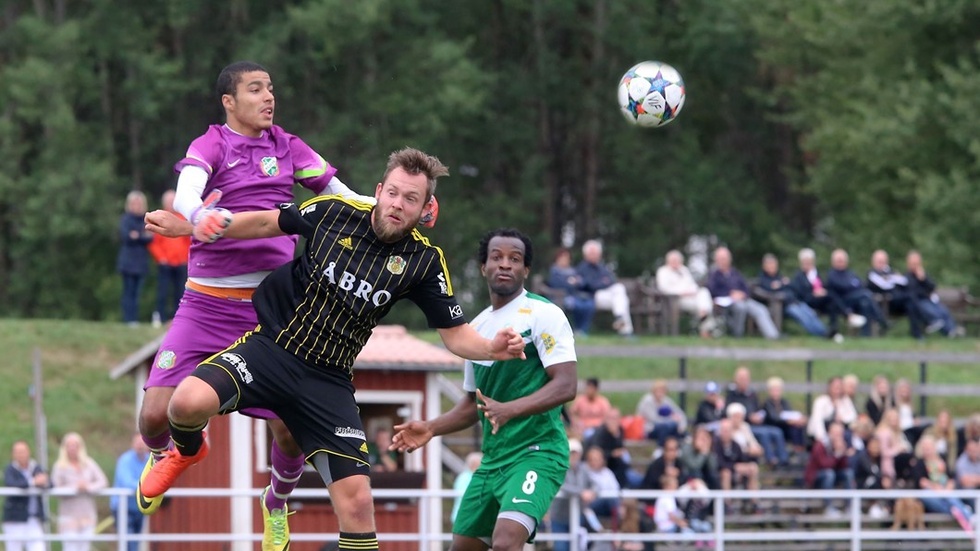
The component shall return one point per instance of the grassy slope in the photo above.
(79, 396)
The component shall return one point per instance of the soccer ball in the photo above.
(651, 93)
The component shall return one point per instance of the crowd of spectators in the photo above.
(737, 435)
(725, 300)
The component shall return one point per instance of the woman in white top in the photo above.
(831, 407)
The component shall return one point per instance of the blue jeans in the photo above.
(773, 443)
(931, 311)
(807, 317)
(945, 505)
(134, 526)
(582, 310)
(662, 430)
(560, 528)
(828, 479)
(861, 302)
(170, 284)
(132, 285)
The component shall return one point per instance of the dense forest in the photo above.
(807, 123)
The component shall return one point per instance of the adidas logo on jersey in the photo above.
(346, 242)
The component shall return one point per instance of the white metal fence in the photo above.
(858, 529)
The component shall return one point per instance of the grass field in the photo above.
(79, 396)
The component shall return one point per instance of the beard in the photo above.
(506, 288)
(389, 232)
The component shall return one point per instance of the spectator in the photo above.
(896, 450)
(828, 408)
(711, 408)
(170, 254)
(381, 458)
(829, 465)
(868, 475)
(770, 437)
(922, 292)
(129, 466)
(731, 293)
(879, 398)
(848, 287)
(971, 429)
(589, 409)
(734, 467)
(912, 425)
(862, 430)
(667, 464)
(609, 294)
(810, 289)
(742, 433)
(698, 461)
(462, 481)
(668, 515)
(851, 382)
(603, 481)
(75, 470)
(609, 438)
(929, 473)
(579, 302)
(23, 516)
(944, 433)
(968, 466)
(782, 415)
(661, 416)
(774, 286)
(133, 260)
(894, 287)
(673, 278)
(577, 483)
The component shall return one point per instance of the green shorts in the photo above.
(526, 486)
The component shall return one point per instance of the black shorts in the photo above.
(317, 405)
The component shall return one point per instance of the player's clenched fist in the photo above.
(507, 344)
(210, 221)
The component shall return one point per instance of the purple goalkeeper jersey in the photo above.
(252, 174)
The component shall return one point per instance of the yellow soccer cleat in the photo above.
(147, 505)
(275, 534)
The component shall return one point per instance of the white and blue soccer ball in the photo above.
(651, 93)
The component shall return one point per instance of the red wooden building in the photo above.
(395, 376)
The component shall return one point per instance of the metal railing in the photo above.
(856, 532)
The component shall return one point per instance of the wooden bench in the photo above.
(964, 306)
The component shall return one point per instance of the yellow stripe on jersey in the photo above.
(359, 205)
(417, 235)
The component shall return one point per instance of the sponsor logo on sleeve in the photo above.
(549, 342)
(443, 287)
(166, 359)
(240, 366)
(456, 311)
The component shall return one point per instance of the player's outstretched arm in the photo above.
(167, 224)
(415, 434)
(254, 225)
(559, 390)
(465, 342)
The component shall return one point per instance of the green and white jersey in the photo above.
(548, 341)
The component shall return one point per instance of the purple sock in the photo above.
(158, 444)
(286, 471)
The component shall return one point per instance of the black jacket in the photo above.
(16, 507)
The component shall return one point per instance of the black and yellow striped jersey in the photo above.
(324, 304)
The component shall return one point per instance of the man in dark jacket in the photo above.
(772, 285)
(730, 291)
(23, 515)
(846, 285)
(883, 280)
(921, 290)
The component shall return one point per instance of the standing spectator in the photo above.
(462, 481)
(782, 415)
(929, 473)
(848, 287)
(830, 466)
(730, 292)
(661, 416)
(133, 259)
(577, 300)
(885, 281)
(609, 294)
(698, 461)
(589, 409)
(922, 292)
(772, 285)
(75, 470)
(968, 466)
(770, 437)
(896, 450)
(828, 408)
(609, 438)
(809, 288)
(711, 408)
(170, 254)
(675, 279)
(879, 398)
(129, 466)
(944, 433)
(23, 515)
(577, 484)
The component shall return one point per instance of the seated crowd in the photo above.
(841, 442)
(726, 300)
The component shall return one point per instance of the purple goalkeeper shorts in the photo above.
(202, 327)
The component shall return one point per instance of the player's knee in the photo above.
(153, 421)
(357, 514)
(192, 404)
